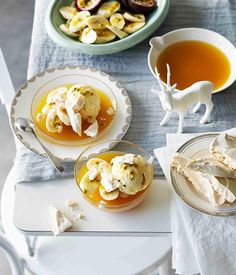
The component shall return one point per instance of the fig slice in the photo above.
(87, 5)
(142, 6)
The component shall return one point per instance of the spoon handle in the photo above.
(55, 161)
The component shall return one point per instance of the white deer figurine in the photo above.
(198, 93)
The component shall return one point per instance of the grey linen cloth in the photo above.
(131, 70)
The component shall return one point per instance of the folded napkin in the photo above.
(201, 243)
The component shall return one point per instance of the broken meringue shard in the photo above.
(223, 148)
(212, 167)
(204, 183)
(92, 130)
(60, 221)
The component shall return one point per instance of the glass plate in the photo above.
(195, 148)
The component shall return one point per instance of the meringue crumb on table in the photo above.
(59, 220)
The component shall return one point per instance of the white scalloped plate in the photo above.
(54, 77)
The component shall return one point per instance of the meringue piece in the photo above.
(62, 113)
(57, 95)
(108, 182)
(92, 130)
(81, 215)
(223, 191)
(110, 111)
(127, 158)
(93, 172)
(203, 183)
(71, 204)
(223, 148)
(212, 167)
(75, 119)
(60, 221)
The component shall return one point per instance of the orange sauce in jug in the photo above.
(191, 61)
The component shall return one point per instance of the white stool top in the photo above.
(31, 214)
(85, 255)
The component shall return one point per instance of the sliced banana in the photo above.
(79, 21)
(68, 12)
(53, 124)
(108, 196)
(134, 17)
(133, 27)
(104, 36)
(46, 108)
(95, 161)
(40, 117)
(88, 186)
(117, 20)
(88, 36)
(64, 28)
(62, 113)
(108, 8)
(57, 95)
(117, 32)
(97, 22)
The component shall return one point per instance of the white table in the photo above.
(145, 253)
(31, 216)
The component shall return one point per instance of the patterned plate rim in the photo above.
(60, 68)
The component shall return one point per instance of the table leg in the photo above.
(31, 244)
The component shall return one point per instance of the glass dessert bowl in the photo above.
(73, 113)
(117, 179)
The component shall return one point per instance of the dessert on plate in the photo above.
(213, 176)
(74, 112)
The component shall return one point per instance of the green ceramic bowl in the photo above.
(53, 20)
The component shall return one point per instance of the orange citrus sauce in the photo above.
(108, 156)
(68, 134)
(192, 61)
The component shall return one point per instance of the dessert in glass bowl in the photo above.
(115, 180)
(74, 113)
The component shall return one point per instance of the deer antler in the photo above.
(168, 76)
(169, 87)
(159, 79)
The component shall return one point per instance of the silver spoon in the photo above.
(26, 125)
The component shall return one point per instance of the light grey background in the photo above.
(15, 33)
